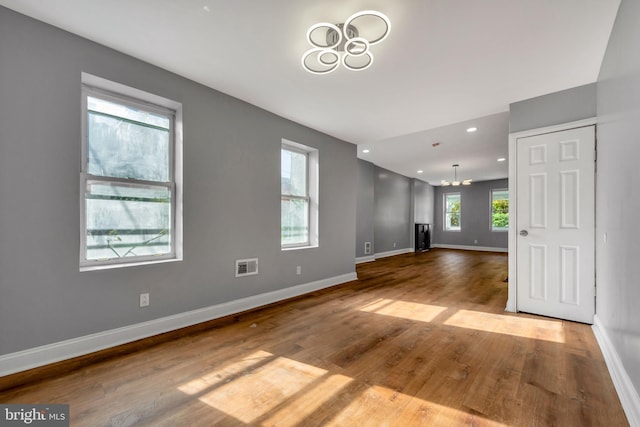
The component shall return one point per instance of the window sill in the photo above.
(94, 267)
(295, 248)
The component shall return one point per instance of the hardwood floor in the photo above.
(419, 339)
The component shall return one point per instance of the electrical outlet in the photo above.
(367, 248)
(394, 244)
(144, 299)
(299, 270)
(475, 242)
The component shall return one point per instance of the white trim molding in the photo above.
(626, 391)
(368, 258)
(393, 253)
(63, 350)
(469, 248)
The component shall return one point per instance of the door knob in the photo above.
(524, 233)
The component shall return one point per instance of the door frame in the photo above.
(513, 226)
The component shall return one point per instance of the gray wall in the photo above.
(423, 202)
(365, 208)
(422, 205)
(556, 108)
(618, 199)
(475, 216)
(388, 206)
(231, 196)
(392, 211)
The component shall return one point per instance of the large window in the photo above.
(128, 179)
(452, 218)
(499, 210)
(298, 183)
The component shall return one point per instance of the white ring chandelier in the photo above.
(346, 43)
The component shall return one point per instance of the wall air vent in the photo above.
(246, 267)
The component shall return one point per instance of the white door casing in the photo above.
(554, 258)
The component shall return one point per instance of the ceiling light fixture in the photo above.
(501, 159)
(455, 181)
(420, 171)
(471, 129)
(365, 151)
(346, 43)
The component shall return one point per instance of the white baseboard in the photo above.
(626, 391)
(63, 350)
(376, 256)
(393, 253)
(469, 248)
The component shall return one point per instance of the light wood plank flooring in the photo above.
(419, 340)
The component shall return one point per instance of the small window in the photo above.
(499, 210)
(452, 218)
(128, 178)
(298, 198)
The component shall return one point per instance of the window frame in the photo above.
(97, 87)
(311, 194)
(445, 212)
(491, 212)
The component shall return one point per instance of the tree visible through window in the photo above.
(299, 198)
(499, 210)
(294, 224)
(128, 186)
(452, 205)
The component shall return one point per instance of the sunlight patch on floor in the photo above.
(404, 309)
(380, 403)
(294, 413)
(225, 374)
(250, 388)
(540, 329)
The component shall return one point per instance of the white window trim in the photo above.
(496, 230)
(313, 192)
(105, 89)
(444, 213)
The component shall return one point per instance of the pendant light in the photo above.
(455, 181)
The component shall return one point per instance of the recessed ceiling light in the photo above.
(206, 9)
(501, 159)
(471, 129)
(365, 151)
(420, 171)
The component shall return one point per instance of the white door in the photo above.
(555, 223)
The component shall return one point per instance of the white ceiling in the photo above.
(445, 65)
